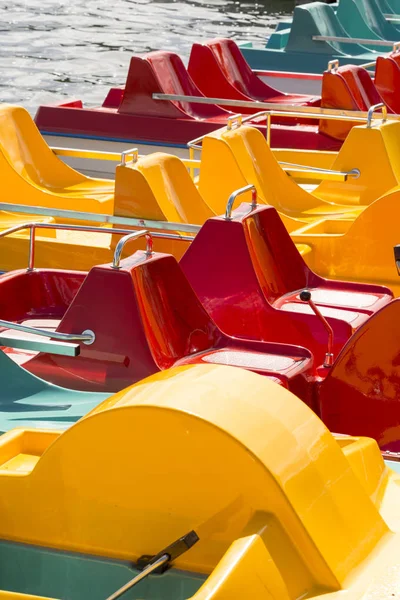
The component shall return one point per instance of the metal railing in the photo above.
(120, 157)
(286, 109)
(335, 38)
(73, 215)
(86, 337)
(32, 227)
(236, 194)
(129, 238)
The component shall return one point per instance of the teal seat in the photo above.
(27, 401)
(355, 22)
(376, 21)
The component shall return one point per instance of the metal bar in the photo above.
(355, 173)
(147, 571)
(236, 194)
(304, 174)
(98, 218)
(129, 238)
(277, 109)
(134, 152)
(391, 17)
(334, 38)
(368, 65)
(86, 336)
(49, 346)
(87, 154)
(375, 107)
(31, 255)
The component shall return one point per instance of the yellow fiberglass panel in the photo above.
(260, 167)
(33, 175)
(375, 152)
(364, 252)
(220, 450)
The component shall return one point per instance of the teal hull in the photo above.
(291, 48)
(63, 575)
(27, 401)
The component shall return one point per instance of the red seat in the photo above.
(147, 318)
(387, 81)
(220, 70)
(248, 274)
(349, 88)
(164, 73)
(174, 79)
(360, 395)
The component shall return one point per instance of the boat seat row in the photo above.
(148, 308)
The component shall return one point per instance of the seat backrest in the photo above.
(387, 81)
(364, 381)
(260, 167)
(353, 21)
(209, 77)
(239, 268)
(376, 21)
(336, 93)
(145, 316)
(237, 70)
(361, 86)
(24, 148)
(141, 83)
(174, 79)
(173, 188)
(318, 18)
(375, 151)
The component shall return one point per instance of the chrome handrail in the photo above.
(129, 238)
(87, 336)
(333, 65)
(327, 114)
(374, 108)
(87, 228)
(288, 109)
(236, 194)
(353, 173)
(336, 38)
(134, 152)
(234, 122)
(73, 215)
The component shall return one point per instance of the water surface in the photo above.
(51, 50)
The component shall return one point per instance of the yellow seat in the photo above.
(283, 509)
(359, 250)
(370, 150)
(32, 174)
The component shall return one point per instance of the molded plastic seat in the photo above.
(32, 174)
(164, 72)
(220, 70)
(28, 401)
(387, 81)
(370, 150)
(252, 261)
(367, 372)
(147, 318)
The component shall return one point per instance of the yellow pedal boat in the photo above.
(236, 490)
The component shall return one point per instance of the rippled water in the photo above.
(51, 49)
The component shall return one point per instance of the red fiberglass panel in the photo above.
(361, 395)
(387, 81)
(174, 79)
(220, 70)
(240, 269)
(146, 318)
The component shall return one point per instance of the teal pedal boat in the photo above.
(317, 35)
(28, 401)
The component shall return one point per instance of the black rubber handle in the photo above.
(305, 296)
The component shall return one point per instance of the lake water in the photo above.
(51, 50)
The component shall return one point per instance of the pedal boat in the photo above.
(163, 105)
(29, 401)
(254, 503)
(314, 36)
(250, 312)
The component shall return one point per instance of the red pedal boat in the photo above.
(216, 70)
(247, 300)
